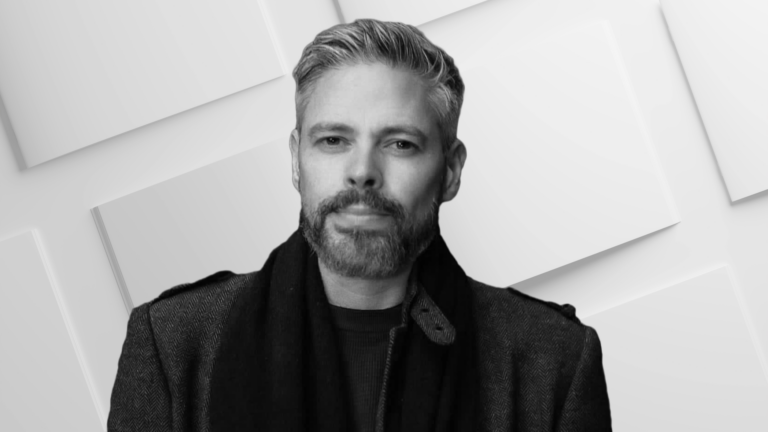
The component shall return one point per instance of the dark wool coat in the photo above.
(537, 369)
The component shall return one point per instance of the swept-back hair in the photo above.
(394, 44)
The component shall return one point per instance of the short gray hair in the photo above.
(394, 44)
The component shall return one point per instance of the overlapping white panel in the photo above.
(42, 385)
(559, 164)
(225, 216)
(414, 12)
(723, 46)
(682, 359)
(77, 72)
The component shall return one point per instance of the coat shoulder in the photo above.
(537, 357)
(510, 317)
(211, 281)
(185, 324)
(212, 288)
(512, 299)
(192, 309)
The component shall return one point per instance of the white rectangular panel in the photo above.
(77, 72)
(42, 385)
(683, 359)
(414, 12)
(228, 215)
(723, 46)
(559, 164)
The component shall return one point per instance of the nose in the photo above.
(363, 169)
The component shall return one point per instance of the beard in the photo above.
(363, 253)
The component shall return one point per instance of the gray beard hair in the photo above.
(368, 254)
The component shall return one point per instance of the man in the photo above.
(362, 320)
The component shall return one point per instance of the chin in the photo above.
(361, 254)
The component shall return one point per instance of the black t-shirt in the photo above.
(363, 337)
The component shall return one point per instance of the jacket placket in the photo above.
(394, 352)
(430, 319)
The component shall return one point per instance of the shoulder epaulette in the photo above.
(566, 309)
(220, 275)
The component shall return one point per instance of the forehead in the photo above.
(369, 96)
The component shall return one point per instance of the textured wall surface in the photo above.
(90, 70)
(722, 48)
(682, 351)
(590, 180)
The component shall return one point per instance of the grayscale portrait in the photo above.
(363, 320)
(384, 215)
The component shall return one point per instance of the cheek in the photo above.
(315, 183)
(418, 187)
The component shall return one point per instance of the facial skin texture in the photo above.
(370, 143)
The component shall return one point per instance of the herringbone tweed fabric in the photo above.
(538, 367)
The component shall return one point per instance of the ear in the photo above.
(454, 162)
(293, 143)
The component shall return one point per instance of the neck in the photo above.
(368, 294)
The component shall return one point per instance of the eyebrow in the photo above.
(408, 130)
(330, 127)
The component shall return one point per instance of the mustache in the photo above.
(369, 198)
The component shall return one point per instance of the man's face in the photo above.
(370, 168)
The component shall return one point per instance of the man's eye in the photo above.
(404, 145)
(332, 141)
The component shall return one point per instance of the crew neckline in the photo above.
(365, 320)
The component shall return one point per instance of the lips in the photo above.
(359, 210)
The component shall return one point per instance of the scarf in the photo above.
(279, 367)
